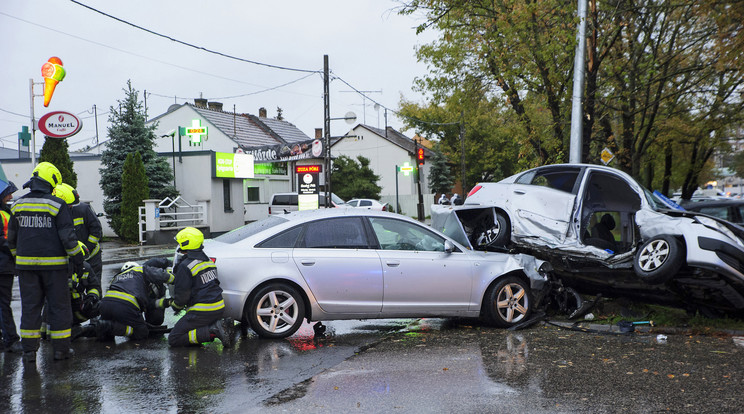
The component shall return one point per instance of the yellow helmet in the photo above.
(64, 191)
(189, 238)
(49, 173)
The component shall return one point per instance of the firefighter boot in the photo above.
(61, 354)
(223, 330)
(104, 330)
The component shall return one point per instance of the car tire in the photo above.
(496, 236)
(658, 259)
(507, 302)
(275, 311)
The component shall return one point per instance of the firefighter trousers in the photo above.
(36, 287)
(193, 328)
(127, 319)
(6, 312)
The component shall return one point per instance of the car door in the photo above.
(420, 278)
(337, 263)
(543, 202)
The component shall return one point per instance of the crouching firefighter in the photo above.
(129, 296)
(198, 291)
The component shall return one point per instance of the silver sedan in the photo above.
(335, 264)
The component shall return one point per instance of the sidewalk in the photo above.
(116, 251)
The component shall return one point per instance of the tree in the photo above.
(127, 134)
(56, 151)
(738, 163)
(354, 179)
(651, 64)
(134, 185)
(440, 175)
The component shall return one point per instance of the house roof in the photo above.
(396, 138)
(249, 130)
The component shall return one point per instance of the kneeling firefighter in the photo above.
(134, 290)
(198, 290)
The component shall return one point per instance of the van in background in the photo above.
(287, 202)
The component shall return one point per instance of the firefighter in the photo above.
(41, 235)
(88, 229)
(134, 290)
(11, 340)
(197, 291)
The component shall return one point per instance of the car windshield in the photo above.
(655, 202)
(241, 233)
(337, 200)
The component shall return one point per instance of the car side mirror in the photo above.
(448, 246)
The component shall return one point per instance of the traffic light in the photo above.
(420, 156)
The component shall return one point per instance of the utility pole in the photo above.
(577, 122)
(462, 155)
(327, 127)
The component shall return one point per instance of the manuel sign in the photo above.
(59, 124)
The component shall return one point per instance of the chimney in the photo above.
(318, 133)
(262, 112)
(215, 106)
(200, 102)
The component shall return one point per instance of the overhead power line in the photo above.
(192, 45)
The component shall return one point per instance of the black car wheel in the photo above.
(658, 259)
(276, 311)
(508, 302)
(497, 235)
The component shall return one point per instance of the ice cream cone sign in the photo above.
(53, 73)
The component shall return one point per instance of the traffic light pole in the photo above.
(420, 163)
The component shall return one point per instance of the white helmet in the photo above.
(128, 265)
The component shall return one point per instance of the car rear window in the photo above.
(562, 179)
(242, 233)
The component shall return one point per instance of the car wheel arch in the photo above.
(249, 298)
(517, 274)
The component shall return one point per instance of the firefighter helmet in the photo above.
(49, 173)
(128, 265)
(64, 191)
(189, 238)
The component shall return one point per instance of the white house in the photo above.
(388, 150)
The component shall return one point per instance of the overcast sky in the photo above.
(369, 46)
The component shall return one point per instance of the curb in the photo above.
(643, 329)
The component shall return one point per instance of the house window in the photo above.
(252, 195)
(227, 196)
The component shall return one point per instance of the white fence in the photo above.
(170, 214)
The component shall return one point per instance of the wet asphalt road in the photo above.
(429, 365)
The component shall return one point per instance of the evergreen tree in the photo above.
(56, 151)
(128, 134)
(134, 185)
(440, 176)
(352, 179)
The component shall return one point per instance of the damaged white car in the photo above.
(604, 233)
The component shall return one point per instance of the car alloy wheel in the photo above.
(276, 311)
(508, 302)
(658, 259)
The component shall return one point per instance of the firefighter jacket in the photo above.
(133, 285)
(87, 226)
(40, 233)
(196, 285)
(7, 263)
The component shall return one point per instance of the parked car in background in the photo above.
(367, 203)
(350, 263)
(282, 203)
(730, 210)
(604, 233)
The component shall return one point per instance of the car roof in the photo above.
(339, 212)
